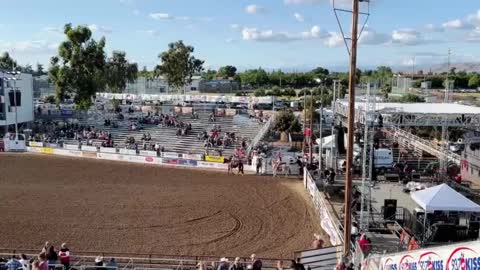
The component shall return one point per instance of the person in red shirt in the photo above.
(364, 244)
(64, 255)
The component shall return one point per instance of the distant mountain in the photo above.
(468, 67)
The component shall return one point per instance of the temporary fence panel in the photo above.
(171, 155)
(329, 224)
(320, 258)
(71, 147)
(212, 165)
(89, 148)
(35, 144)
(192, 156)
(127, 151)
(148, 153)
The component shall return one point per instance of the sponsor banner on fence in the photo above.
(35, 144)
(464, 256)
(148, 153)
(170, 161)
(109, 156)
(230, 112)
(70, 146)
(215, 159)
(34, 149)
(89, 148)
(46, 150)
(192, 156)
(128, 151)
(211, 165)
(171, 155)
(65, 152)
(189, 163)
(108, 150)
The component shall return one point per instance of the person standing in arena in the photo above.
(42, 264)
(64, 255)
(52, 257)
(237, 265)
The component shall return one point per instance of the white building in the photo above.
(25, 111)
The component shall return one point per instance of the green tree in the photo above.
(178, 64)
(227, 72)
(209, 75)
(27, 69)
(50, 99)
(119, 71)
(474, 81)
(284, 121)
(386, 89)
(145, 73)
(411, 98)
(6, 62)
(289, 92)
(78, 70)
(260, 92)
(255, 78)
(276, 91)
(40, 70)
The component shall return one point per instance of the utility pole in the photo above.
(320, 146)
(351, 118)
(311, 127)
(444, 160)
(334, 135)
(304, 121)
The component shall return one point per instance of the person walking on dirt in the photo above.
(236, 265)
(259, 164)
(256, 263)
(299, 265)
(317, 242)
(64, 255)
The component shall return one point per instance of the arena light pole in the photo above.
(14, 80)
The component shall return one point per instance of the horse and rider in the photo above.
(279, 166)
(235, 162)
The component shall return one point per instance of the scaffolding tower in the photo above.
(367, 158)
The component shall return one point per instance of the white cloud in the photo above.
(433, 28)
(407, 37)
(235, 26)
(457, 24)
(315, 32)
(474, 35)
(150, 32)
(30, 47)
(299, 17)
(371, 37)
(334, 40)
(338, 3)
(161, 16)
(100, 29)
(474, 18)
(254, 9)
(253, 34)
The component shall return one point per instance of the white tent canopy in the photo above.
(443, 198)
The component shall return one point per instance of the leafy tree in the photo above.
(146, 73)
(386, 89)
(119, 71)
(284, 121)
(474, 81)
(289, 92)
(255, 77)
(40, 70)
(260, 92)
(78, 70)
(304, 92)
(209, 75)
(276, 91)
(27, 69)
(227, 72)
(411, 98)
(178, 64)
(6, 62)
(320, 71)
(296, 126)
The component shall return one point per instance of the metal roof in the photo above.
(420, 108)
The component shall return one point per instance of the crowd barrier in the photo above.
(329, 224)
(128, 155)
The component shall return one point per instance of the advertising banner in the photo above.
(192, 156)
(127, 151)
(70, 153)
(170, 161)
(189, 163)
(46, 150)
(171, 155)
(34, 149)
(230, 112)
(148, 153)
(108, 150)
(216, 159)
(70, 146)
(89, 148)
(211, 165)
(35, 144)
(88, 154)
(464, 256)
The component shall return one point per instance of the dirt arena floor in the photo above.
(117, 207)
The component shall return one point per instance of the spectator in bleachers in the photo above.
(25, 262)
(35, 265)
(256, 263)
(64, 255)
(201, 265)
(13, 264)
(46, 247)
(112, 264)
(237, 265)
(52, 257)
(99, 263)
(223, 264)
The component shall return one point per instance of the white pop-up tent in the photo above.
(443, 198)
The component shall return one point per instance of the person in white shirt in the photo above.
(25, 262)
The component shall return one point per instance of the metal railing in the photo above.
(261, 133)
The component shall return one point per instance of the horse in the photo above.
(235, 163)
(280, 167)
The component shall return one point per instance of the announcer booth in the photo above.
(23, 88)
(447, 215)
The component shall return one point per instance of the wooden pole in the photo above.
(351, 117)
(311, 127)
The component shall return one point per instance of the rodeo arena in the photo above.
(206, 182)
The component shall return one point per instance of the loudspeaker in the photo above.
(15, 98)
(389, 209)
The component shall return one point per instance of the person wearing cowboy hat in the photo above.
(317, 242)
(99, 263)
(236, 265)
(256, 263)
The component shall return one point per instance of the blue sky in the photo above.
(286, 34)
